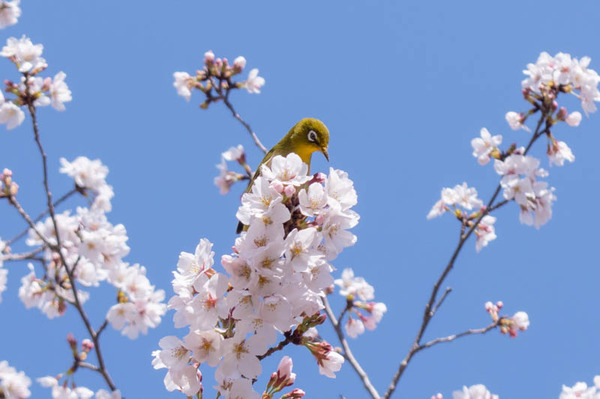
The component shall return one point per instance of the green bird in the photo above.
(307, 136)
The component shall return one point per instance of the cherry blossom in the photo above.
(254, 82)
(13, 384)
(9, 13)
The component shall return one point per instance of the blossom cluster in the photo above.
(581, 390)
(362, 314)
(32, 88)
(277, 274)
(215, 79)
(567, 74)
(13, 384)
(463, 202)
(93, 250)
(521, 173)
(9, 13)
(508, 325)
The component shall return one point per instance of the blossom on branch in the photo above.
(567, 73)
(484, 146)
(278, 272)
(13, 384)
(24, 54)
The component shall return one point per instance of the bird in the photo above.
(305, 137)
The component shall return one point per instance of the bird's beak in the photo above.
(324, 151)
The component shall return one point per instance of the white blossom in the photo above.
(59, 92)
(9, 13)
(482, 147)
(26, 55)
(13, 384)
(11, 115)
(474, 392)
(254, 82)
(183, 84)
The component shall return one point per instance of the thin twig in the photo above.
(441, 301)
(14, 202)
(24, 256)
(451, 338)
(348, 306)
(102, 327)
(101, 367)
(89, 366)
(246, 125)
(41, 215)
(428, 313)
(348, 353)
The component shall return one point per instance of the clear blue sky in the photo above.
(403, 88)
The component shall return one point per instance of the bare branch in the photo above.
(454, 337)
(348, 353)
(441, 301)
(246, 125)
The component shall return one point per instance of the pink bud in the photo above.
(561, 114)
(296, 394)
(289, 190)
(499, 304)
(239, 63)
(209, 57)
(277, 186)
(87, 345)
(285, 367)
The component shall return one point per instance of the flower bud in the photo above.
(87, 345)
(295, 394)
(209, 58)
(289, 191)
(239, 64)
(561, 114)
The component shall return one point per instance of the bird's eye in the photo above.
(312, 136)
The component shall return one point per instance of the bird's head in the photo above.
(310, 135)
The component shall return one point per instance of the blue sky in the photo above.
(403, 88)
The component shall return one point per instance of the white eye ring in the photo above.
(312, 136)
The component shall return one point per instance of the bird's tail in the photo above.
(240, 228)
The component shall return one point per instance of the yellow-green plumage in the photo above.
(307, 136)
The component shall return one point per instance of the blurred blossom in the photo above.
(474, 392)
(9, 13)
(13, 384)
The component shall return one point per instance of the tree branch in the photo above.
(454, 337)
(41, 215)
(101, 367)
(348, 353)
(429, 307)
(244, 123)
